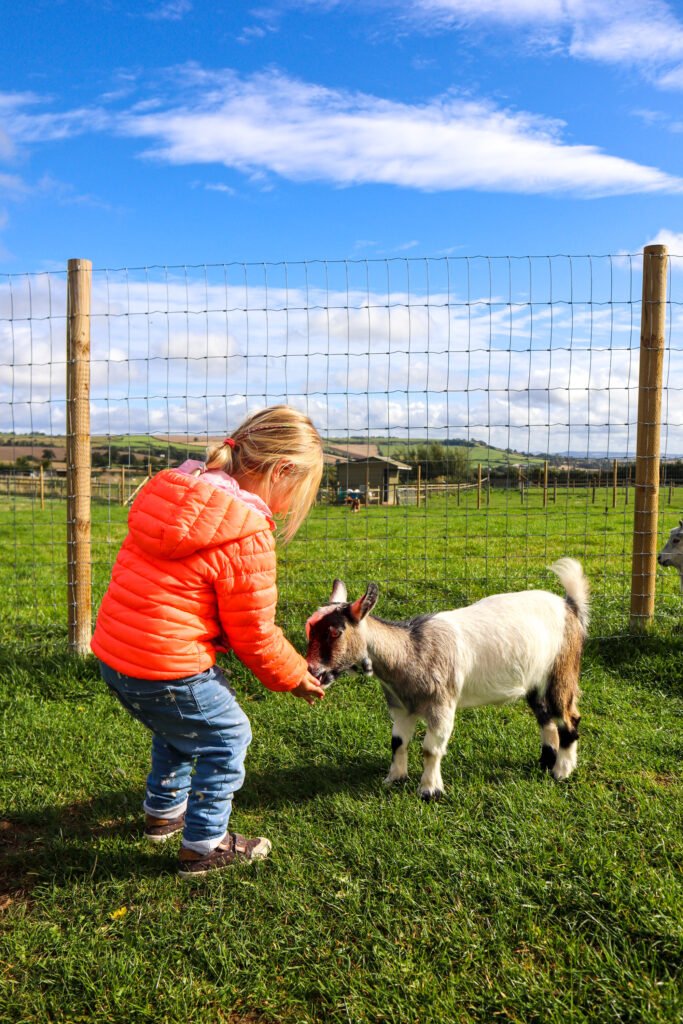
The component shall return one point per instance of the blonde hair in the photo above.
(276, 435)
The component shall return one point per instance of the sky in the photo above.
(175, 132)
(420, 219)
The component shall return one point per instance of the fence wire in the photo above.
(481, 411)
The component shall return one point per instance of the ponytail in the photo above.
(266, 439)
(220, 456)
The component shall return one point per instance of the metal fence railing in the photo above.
(481, 415)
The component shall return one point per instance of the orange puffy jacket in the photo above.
(195, 575)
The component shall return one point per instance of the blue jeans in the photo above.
(200, 739)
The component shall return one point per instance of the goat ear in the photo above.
(360, 608)
(680, 522)
(338, 595)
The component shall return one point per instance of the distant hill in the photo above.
(158, 446)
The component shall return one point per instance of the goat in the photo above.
(672, 552)
(526, 644)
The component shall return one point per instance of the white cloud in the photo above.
(13, 187)
(177, 351)
(673, 240)
(672, 79)
(628, 32)
(273, 124)
(631, 31)
(514, 11)
(24, 125)
(32, 127)
(220, 187)
(172, 10)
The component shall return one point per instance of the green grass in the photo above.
(515, 899)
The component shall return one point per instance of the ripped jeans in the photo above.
(200, 737)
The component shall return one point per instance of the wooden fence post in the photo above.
(652, 329)
(78, 468)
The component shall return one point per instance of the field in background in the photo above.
(446, 554)
(515, 899)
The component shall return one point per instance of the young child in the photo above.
(196, 575)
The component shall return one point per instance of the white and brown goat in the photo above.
(527, 644)
(672, 552)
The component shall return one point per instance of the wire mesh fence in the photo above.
(479, 417)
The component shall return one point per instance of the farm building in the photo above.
(379, 474)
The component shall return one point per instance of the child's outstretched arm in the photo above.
(309, 689)
(246, 605)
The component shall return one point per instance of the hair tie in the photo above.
(229, 441)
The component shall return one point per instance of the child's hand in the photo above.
(309, 689)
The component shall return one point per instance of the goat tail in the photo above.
(571, 576)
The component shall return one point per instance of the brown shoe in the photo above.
(158, 830)
(233, 847)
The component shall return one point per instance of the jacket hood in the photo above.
(177, 514)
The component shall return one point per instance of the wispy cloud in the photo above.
(273, 124)
(647, 34)
(172, 10)
(219, 186)
(644, 34)
(270, 125)
(25, 119)
(13, 187)
(25, 123)
(672, 239)
(672, 79)
(399, 358)
(658, 118)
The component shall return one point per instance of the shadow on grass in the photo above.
(59, 844)
(652, 660)
(37, 662)
(280, 787)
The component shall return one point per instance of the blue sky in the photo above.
(222, 139)
(177, 132)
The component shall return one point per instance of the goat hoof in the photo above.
(566, 763)
(431, 795)
(548, 757)
(395, 780)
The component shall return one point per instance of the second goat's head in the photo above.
(336, 635)
(672, 553)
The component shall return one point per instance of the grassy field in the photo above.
(476, 452)
(145, 444)
(515, 899)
